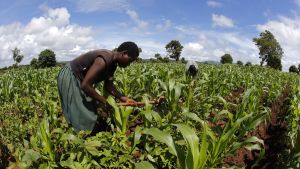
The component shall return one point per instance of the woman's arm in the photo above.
(109, 86)
(87, 83)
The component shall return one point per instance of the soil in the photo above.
(272, 133)
(5, 156)
(275, 132)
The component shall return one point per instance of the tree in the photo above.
(183, 60)
(226, 58)
(248, 64)
(274, 62)
(239, 63)
(47, 58)
(293, 69)
(158, 56)
(270, 50)
(34, 63)
(166, 59)
(17, 56)
(174, 49)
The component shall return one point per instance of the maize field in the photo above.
(228, 116)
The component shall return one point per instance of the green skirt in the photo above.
(79, 110)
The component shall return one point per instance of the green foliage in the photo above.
(270, 50)
(47, 58)
(183, 60)
(239, 63)
(120, 115)
(144, 165)
(174, 49)
(195, 157)
(172, 91)
(17, 56)
(248, 64)
(293, 69)
(226, 58)
(166, 59)
(34, 63)
(158, 56)
(180, 132)
(274, 62)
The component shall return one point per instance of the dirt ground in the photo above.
(272, 133)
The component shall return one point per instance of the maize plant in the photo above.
(195, 156)
(121, 114)
(202, 121)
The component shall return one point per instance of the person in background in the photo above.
(191, 68)
(77, 80)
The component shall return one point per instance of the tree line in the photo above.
(270, 54)
(46, 58)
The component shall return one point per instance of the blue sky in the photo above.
(206, 28)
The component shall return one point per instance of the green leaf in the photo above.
(193, 116)
(44, 166)
(31, 156)
(137, 135)
(69, 163)
(125, 112)
(203, 149)
(91, 147)
(162, 137)
(192, 141)
(117, 114)
(70, 137)
(144, 165)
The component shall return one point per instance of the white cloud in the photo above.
(211, 45)
(151, 47)
(287, 33)
(164, 26)
(55, 17)
(135, 17)
(53, 31)
(102, 5)
(213, 4)
(222, 21)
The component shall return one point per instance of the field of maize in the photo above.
(229, 116)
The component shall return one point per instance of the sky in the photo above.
(207, 29)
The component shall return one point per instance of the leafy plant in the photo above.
(121, 114)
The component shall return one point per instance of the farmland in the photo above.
(229, 116)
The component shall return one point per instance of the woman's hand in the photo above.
(130, 101)
(127, 100)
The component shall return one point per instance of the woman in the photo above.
(191, 68)
(76, 82)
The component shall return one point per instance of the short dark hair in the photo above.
(131, 47)
(192, 71)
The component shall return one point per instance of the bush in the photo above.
(46, 59)
(226, 58)
(239, 63)
(34, 63)
(183, 60)
(293, 69)
(248, 64)
(166, 60)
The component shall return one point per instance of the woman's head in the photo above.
(130, 52)
(131, 48)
